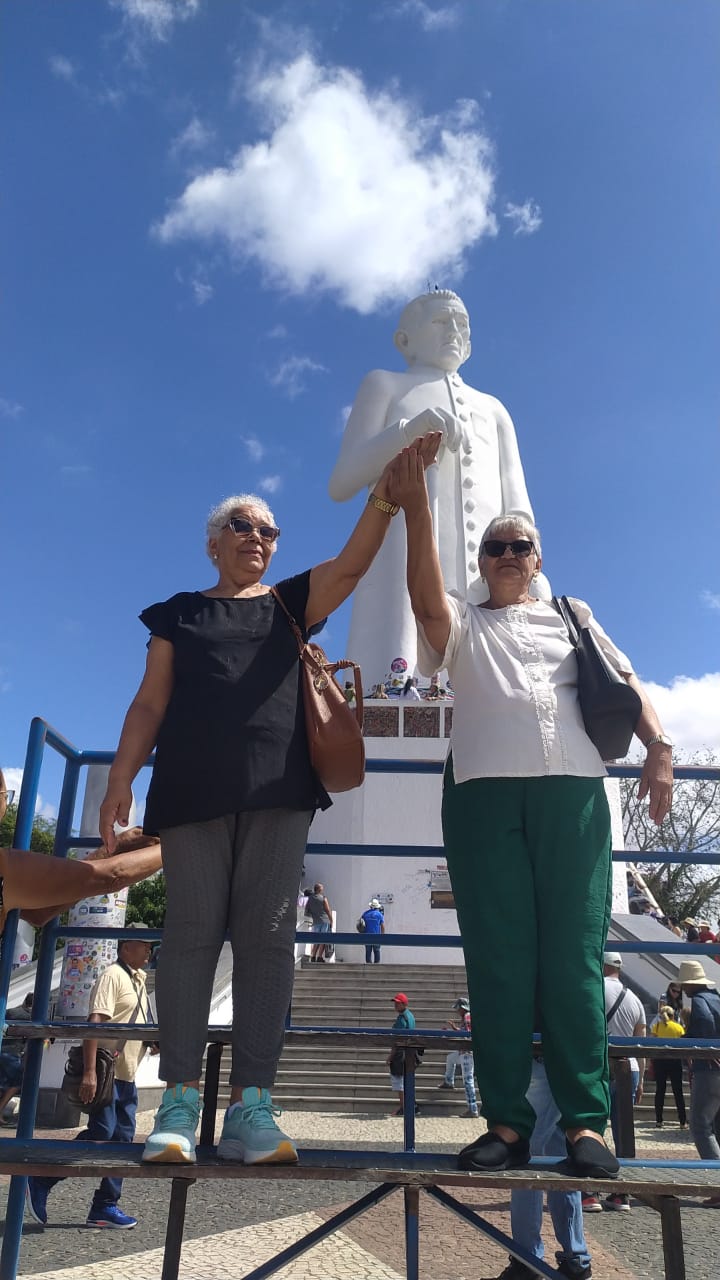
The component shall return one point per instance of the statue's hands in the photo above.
(453, 433)
(426, 447)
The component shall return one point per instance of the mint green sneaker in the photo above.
(172, 1140)
(251, 1135)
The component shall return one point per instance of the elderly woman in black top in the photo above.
(222, 700)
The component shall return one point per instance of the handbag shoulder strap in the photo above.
(611, 1013)
(567, 613)
(293, 624)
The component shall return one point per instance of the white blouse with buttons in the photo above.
(514, 673)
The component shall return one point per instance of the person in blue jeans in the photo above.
(526, 1207)
(704, 1024)
(374, 926)
(462, 1059)
(119, 995)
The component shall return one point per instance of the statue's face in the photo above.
(439, 336)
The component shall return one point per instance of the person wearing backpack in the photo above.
(372, 924)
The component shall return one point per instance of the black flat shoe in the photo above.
(590, 1158)
(492, 1152)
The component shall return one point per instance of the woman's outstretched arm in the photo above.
(43, 887)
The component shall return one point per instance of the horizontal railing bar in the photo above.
(435, 851)
(649, 1046)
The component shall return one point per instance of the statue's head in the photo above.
(434, 330)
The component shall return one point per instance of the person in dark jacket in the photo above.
(704, 1024)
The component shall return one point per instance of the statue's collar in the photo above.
(431, 373)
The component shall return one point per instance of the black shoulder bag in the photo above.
(610, 708)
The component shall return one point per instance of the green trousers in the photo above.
(531, 871)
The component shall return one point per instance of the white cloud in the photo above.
(202, 290)
(10, 408)
(526, 218)
(156, 18)
(689, 710)
(278, 331)
(270, 484)
(290, 377)
(194, 137)
(256, 450)
(711, 599)
(62, 67)
(13, 782)
(430, 19)
(381, 198)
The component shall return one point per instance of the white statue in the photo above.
(479, 474)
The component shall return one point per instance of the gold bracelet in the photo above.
(389, 508)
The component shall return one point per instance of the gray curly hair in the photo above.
(219, 515)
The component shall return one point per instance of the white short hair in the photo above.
(513, 522)
(219, 515)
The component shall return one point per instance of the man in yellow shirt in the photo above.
(119, 995)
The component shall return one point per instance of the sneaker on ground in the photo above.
(469, 1114)
(591, 1204)
(617, 1202)
(250, 1134)
(446, 1085)
(172, 1140)
(110, 1216)
(36, 1200)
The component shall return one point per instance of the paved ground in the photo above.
(234, 1226)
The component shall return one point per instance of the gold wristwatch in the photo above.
(389, 508)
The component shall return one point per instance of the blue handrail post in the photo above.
(10, 1254)
(21, 840)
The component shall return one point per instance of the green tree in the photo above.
(692, 826)
(43, 832)
(147, 902)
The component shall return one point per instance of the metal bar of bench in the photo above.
(210, 1094)
(175, 1228)
(672, 1238)
(314, 1237)
(622, 1079)
(464, 1211)
(411, 1197)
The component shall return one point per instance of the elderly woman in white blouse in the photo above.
(526, 829)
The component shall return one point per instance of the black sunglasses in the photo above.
(242, 527)
(519, 546)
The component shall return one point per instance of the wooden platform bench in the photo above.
(658, 1183)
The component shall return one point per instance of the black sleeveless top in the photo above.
(233, 735)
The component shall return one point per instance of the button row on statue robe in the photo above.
(459, 399)
(469, 505)
(463, 417)
(467, 461)
(467, 482)
(472, 566)
(472, 546)
(469, 524)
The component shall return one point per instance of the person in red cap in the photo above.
(404, 1021)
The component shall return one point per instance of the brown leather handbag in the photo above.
(334, 728)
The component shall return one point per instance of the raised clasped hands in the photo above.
(406, 472)
(454, 435)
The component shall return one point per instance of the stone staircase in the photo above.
(352, 1078)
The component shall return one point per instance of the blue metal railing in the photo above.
(43, 735)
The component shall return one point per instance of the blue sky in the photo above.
(212, 213)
